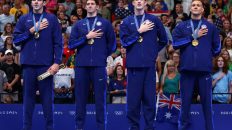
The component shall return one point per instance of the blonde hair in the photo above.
(165, 72)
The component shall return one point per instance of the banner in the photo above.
(11, 117)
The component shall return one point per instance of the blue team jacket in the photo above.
(95, 54)
(197, 58)
(43, 51)
(142, 54)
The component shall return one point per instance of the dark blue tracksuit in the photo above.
(140, 62)
(90, 67)
(37, 55)
(195, 68)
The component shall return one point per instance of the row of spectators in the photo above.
(171, 12)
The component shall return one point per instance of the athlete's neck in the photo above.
(94, 14)
(139, 12)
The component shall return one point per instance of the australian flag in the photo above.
(168, 108)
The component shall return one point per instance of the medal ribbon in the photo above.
(88, 24)
(136, 21)
(195, 32)
(34, 21)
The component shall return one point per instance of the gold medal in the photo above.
(140, 40)
(36, 35)
(91, 41)
(195, 42)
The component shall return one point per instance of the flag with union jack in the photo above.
(168, 107)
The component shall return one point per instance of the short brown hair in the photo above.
(200, 1)
(96, 1)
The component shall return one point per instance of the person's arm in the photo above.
(216, 42)
(20, 33)
(16, 58)
(111, 39)
(230, 92)
(220, 76)
(57, 46)
(2, 57)
(162, 84)
(158, 66)
(57, 41)
(71, 89)
(14, 81)
(76, 39)
(126, 38)
(72, 81)
(162, 35)
(5, 81)
(179, 39)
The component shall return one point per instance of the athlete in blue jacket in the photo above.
(39, 35)
(94, 39)
(198, 41)
(139, 34)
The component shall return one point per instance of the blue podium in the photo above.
(64, 116)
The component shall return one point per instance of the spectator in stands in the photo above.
(7, 99)
(167, 22)
(222, 81)
(176, 59)
(227, 28)
(95, 40)
(170, 4)
(225, 54)
(6, 17)
(159, 68)
(66, 51)
(170, 78)
(227, 44)
(12, 71)
(73, 20)
(69, 6)
(8, 45)
(104, 11)
(18, 7)
(218, 18)
(178, 14)
(60, 8)
(71, 60)
(139, 34)
(163, 5)
(186, 4)
(79, 11)
(109, 67)
(116, 25)
(229, 15)
(121, 59)
(63, 20)
(117, 85)
(159, 7)
(24, 4)
(64, 84)
(169, 51)
(121, 12)
(198, 41)
(51, 6)
(8, 31)
(3, 84)
(18, 14)
(207, 6)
